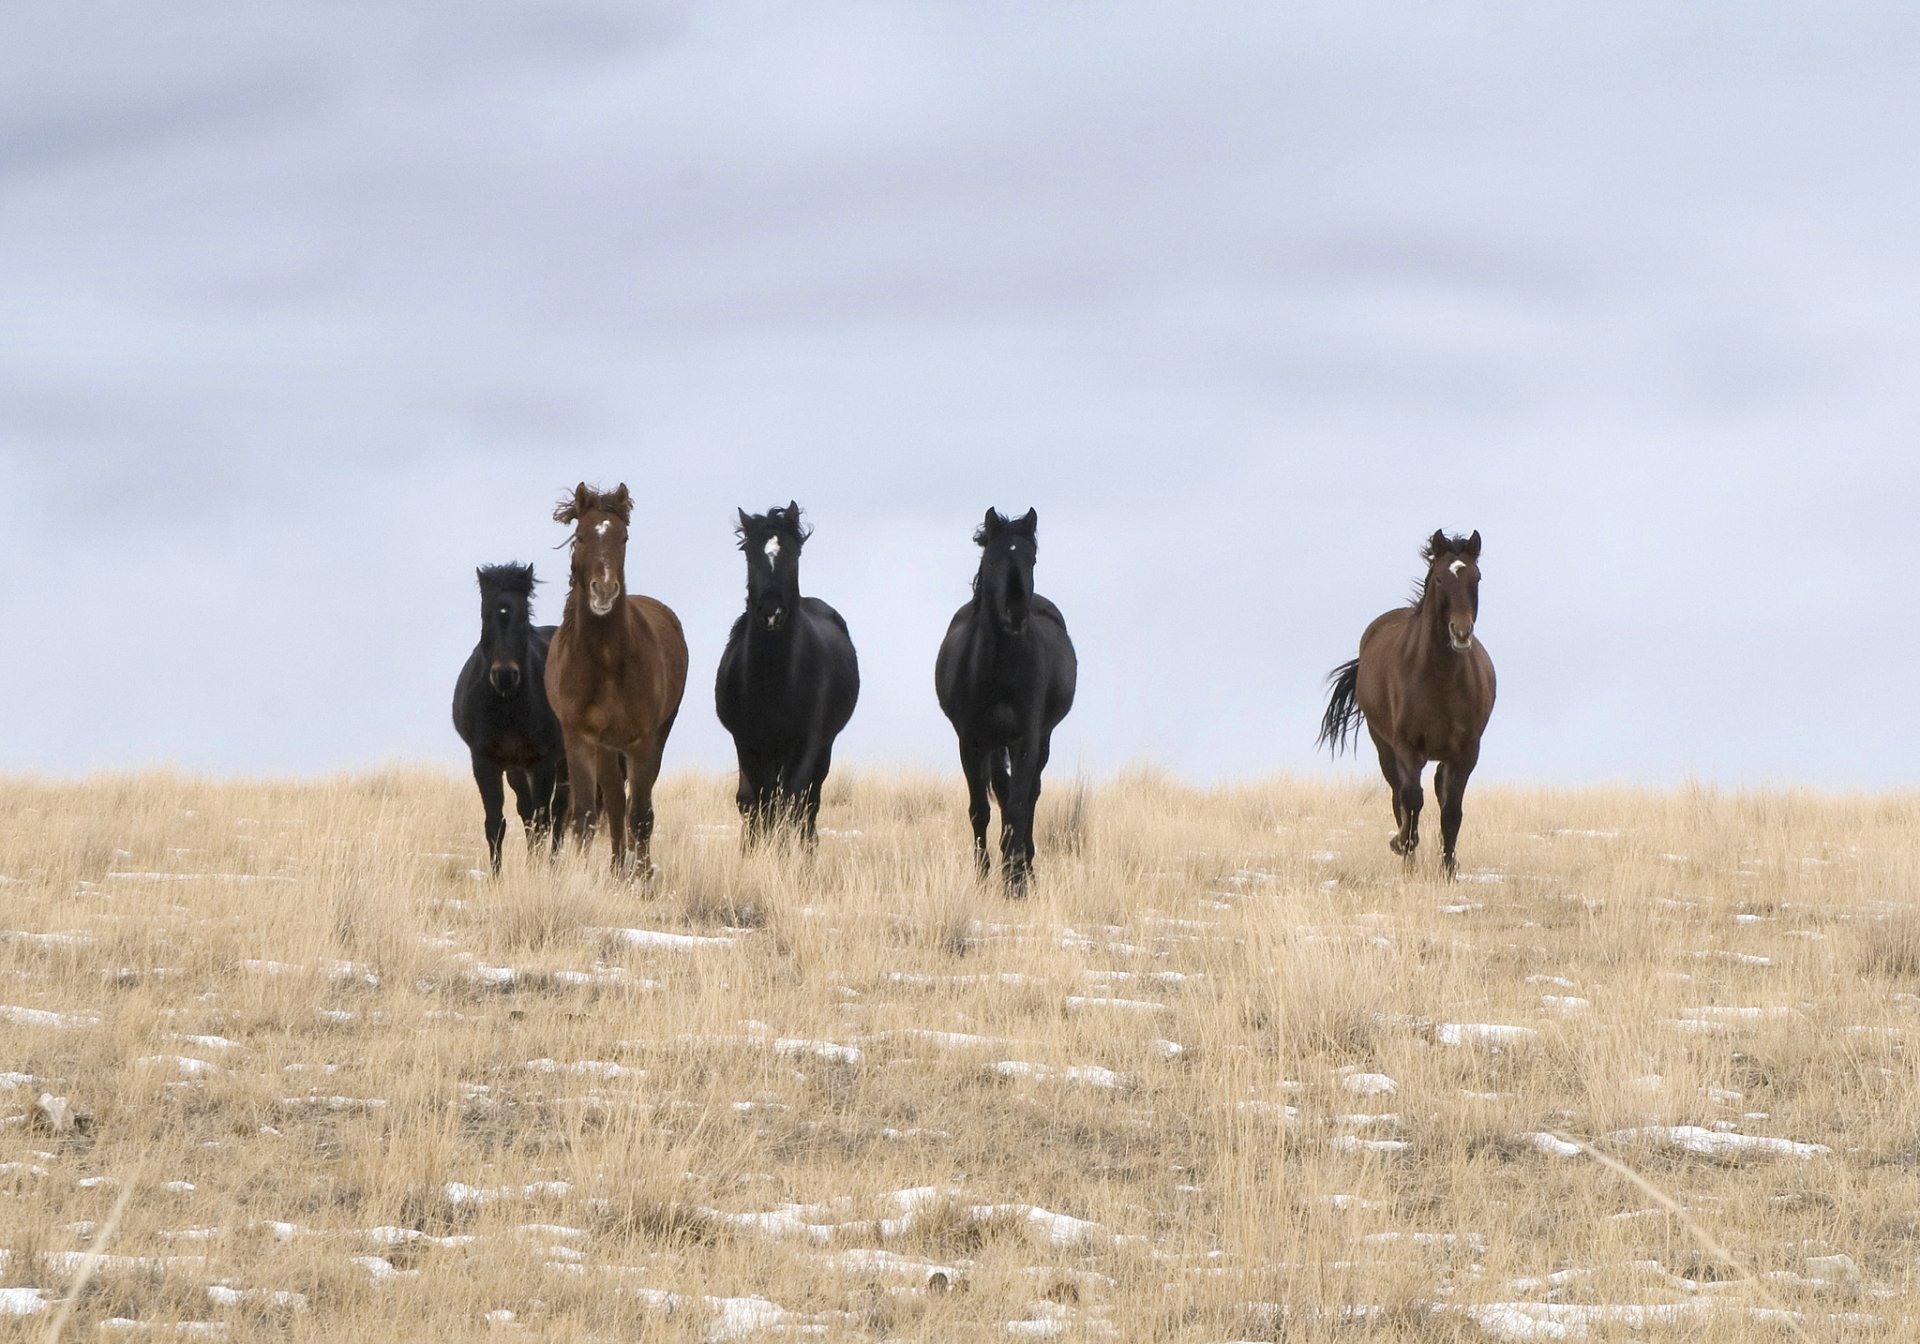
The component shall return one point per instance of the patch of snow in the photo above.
(1714, 1143)
(1353, 1143)
(1369, 1084)
(658, 938)
(1091, 1075)
(40, 1017)
(1551, 1145)
(1481, 1033)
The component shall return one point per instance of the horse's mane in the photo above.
(585, 499)
(784, 520)
(1445, 545)
(999, 524)
(509, 578)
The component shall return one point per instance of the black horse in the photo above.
(500, 711)
(787, 683)
(1005, 677)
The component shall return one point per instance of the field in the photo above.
(1229, 1074)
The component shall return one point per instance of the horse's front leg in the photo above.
(1026, 760)
(583, 788)
(1410, 800)
(613, 803)
(1450, 787)
(643, 769)
(975, 762)
(493, 799)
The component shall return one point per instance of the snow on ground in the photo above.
(1053, 1021)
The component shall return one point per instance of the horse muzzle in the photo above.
(1459, 636)
(504, 678)
(774, 618)
(600, 599)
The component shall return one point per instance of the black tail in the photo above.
(1341, 723)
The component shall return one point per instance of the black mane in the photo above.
(509, 578)
(782, 521)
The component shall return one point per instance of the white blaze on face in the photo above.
(1455, 568)
(600, 528)
(772, 549)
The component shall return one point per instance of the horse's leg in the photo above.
(493, 799)
(643, 768)
(1450, 785)
(542, 824)
(976, 765)
(1026, 761)
(524, 802)
(613, 803)
(746, 796)
(583, 788)
(1390, 767)
(1411, 800)
(1000, 783)
(802, 776)
(816, 782)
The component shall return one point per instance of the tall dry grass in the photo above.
(367, 1095)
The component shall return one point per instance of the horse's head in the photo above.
(599, 543)
(506, 627)
(1005, 581)
(771, 542)
(1453, 582)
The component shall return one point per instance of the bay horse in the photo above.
(788, 681)
(1005, 678)
(1423, 685)
(615, 674)
(501, 712)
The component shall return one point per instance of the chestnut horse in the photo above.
(615, 673)
(1423, 685)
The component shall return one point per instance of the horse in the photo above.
(501, 712)
(1423, 685)
(1005, 677)
(615, 674)
(787, 683)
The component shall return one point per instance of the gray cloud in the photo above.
(308, 311)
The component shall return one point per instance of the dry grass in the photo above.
(441, 1107)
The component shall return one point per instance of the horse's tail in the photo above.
(1341, 723)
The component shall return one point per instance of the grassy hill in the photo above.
(1231, 1073)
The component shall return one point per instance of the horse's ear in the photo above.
(621, 502)
(1026, 523)
(793, 510)
(1437, 544)
(1473, 545)
(745, 520)
(990, 526)
(569, 510)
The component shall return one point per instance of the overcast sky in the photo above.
(306, 310)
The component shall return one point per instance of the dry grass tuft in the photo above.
(1232, 1072)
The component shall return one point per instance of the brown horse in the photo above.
(615, 673)
(1423, 684)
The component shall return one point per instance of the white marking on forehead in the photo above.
(600, 528)
(1456, 567)
(772, 548)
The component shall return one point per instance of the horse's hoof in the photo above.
(1397, 845)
